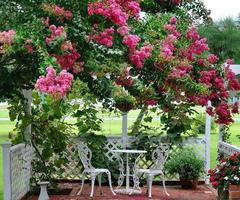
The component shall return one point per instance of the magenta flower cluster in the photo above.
(7, 37)
(138, 57)
(58, 11)
(56, 32)
(105, 37)
(117, 11)
(55, 85)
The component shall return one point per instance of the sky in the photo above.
(223, 8)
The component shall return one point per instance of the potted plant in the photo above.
(123, 100)
(188, 165)
(226, 177)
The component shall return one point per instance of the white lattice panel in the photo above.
(21, 156)
(74, 167)
(112, 144)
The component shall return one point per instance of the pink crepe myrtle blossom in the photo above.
(210, 111)
(125, 79)
(201, 62)
(105, 37)
(131, 41)
(173, 20)
(207, 77)
(66, 46)
(68, 59)
(168, 48)
(219, 83)
(180, 71)
(56, 32)
(117, 11)
(235, 107)
(232, 81)
(138, 57)
(192, 34)
(171, 27)
(109, 9)
(7, 37)
(150, 102)
(57, 11)
(176, 2)
(55, 85)
(212, 58)
(78, 67)
(223, 114)
(29, 46)
(123, 30)
(230, 61)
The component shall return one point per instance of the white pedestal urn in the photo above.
(43, 192)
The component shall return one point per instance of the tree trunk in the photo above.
(136, 124)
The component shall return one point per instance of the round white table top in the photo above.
(128, 151)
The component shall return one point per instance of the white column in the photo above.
(207, 144)
(124, 130)
(6, 146)
(220, 138)
(28, 95)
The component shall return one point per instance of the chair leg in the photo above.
(80, 191)
(93, 176)
(150, 179)
(164, 186)
(110, 183)
(100, 182)
(147, 186)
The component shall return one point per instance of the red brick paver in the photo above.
(176, 193)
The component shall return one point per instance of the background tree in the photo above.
(223, 38)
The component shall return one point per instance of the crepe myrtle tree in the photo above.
(159, 60)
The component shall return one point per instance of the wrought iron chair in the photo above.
(159, 157)
(85, 155)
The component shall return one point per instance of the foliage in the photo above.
(186, 163)
(226, 172)
(146, 140)
(193, 10)
(224, 129)
(49, 135)
(199, 122)
(223, 38)
(177, 121)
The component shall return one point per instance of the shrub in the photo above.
(186, 163)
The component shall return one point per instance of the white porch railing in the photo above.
(225, 149)
(16, 170)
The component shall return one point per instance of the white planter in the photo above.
(43, 192)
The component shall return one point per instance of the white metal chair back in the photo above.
(159, 156)
(85, 155)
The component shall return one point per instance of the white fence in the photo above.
(16, 170)
(17, 164)
(225, 149)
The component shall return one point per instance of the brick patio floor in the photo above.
(203, 192)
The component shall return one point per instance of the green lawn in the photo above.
(3, 112)
(112, 125)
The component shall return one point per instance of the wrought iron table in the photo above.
(128, 189)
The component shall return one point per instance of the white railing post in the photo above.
(28, 95)
(6, 146)
(207, 143)
(220, 138)
(124, 130)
